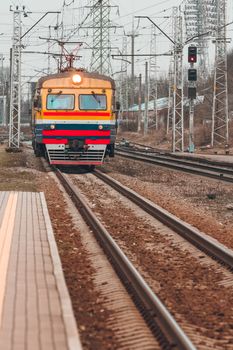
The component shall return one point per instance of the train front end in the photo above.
(74, 121)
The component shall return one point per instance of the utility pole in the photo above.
(123, 78)
(15, 82)
(153, 86)
(132, 36)
(49, 51)
(146, 100)
(130, 86)
(3, 93)
(170, 106)
(191, 147)
(220, 119)
(127, 101)
(140, 103)
(15, 76)
(170, 95)
(178, 93)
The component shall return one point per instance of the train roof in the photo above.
(70, 71)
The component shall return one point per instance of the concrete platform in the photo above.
(35, 307)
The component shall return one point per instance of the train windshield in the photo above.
(60, 101)
(93, 102)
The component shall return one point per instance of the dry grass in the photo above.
(14, 175)
(159, 138)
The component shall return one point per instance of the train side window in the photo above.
(93, 102)
(60, 101)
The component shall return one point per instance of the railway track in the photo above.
(210, 246)
(162, 324)
(202, 241)
(208, 169)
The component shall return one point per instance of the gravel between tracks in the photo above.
(195, 289)
(184, 195)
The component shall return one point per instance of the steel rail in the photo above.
(224, 167)
(202, 241)
(168, 154)
(153, 309)
(222, 174)
(200, 160)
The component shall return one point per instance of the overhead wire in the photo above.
(145, 8)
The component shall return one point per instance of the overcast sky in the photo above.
(127, 9)
(159, 10)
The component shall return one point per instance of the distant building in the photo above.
(162, 103)
(132, 113)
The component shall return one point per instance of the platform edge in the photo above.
(74, 342)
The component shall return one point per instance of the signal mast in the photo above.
(192, 78)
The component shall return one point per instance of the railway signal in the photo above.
(192, 74)
(192, 93)
(192, 54)
(192, 78)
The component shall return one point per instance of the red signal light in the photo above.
(192, 54)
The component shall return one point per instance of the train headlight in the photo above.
(76, 78)
(100, 127)
(52, 126)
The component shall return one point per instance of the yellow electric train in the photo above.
(74, 117)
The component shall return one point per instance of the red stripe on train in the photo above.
(97, 142)
(84, 114)
(87, 141)
(76, 132)
(55, 141)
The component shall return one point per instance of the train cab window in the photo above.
(60, 101)
(93, 102)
